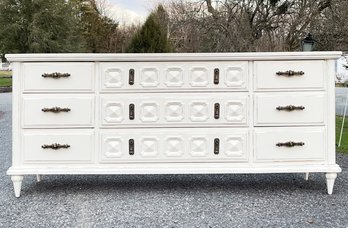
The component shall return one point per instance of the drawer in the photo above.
(273, 75)
(43, 77)
(54, 146)
(164, 76)
(274, 144)
(58, 111)
(290, 109)
(174, 109)
(174, 145)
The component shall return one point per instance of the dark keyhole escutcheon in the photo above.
(216, 110)
(216, 146)
(131, 146)
(216, 76)
(131, 112)
(131, 77)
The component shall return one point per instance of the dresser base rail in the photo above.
(17, 173)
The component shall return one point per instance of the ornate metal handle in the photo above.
(56, 75)
(290, 144)
(216, 146)
(131, 77)
(56, 109)
(290, 73)
(55, 146)
(216, 76)
(131, 146)
(290, 108)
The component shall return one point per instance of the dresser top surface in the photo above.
(163, 57)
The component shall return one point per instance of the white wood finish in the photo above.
(81, 144)
(174, 126)
(165, 57)
(175, 145)
(306, 176)
(266, 150)
(266, 113)
(17, 184)
(267, 79)
(80, 115)
(174, 109)
(81, 77)
(330, 180)
(174, 76)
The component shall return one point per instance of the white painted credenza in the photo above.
(173, 114)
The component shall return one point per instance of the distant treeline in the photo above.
(51, 26)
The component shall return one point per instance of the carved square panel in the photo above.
(174, 77)
(198, 147)
(174, 111)
(113, 112)
(149, 112)
(174, 147)
(234, 76)
(113, 147)
(199, 111)
(234, 147)
(235, 111)
(199, 77)
(149, 147)
(149, 77)
(113, 78)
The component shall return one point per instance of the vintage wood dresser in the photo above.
(173, 114)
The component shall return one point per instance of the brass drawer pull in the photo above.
(216, 76)
(56, 75)
(56, 109)
(290, 144)
(290, 108)
(55, 146)
(216, 146)
(290, 73)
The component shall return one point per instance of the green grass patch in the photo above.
(5, 73)
(5, 78)
(5, 82)
(344, 142)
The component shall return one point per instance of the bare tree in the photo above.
(244, 25)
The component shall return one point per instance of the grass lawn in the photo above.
(344, 142)
(4, 80)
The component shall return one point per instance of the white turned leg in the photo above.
(17, 184)
(306, 176)
(330, 180)
(38, 177)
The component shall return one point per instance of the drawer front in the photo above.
(174, 145)
(132, 76)
(51, 110)
(289, 144)
(56, 146)
(277, 75)
(70, 77)
(174, 109)
(290, 109)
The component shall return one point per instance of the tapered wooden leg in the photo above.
(38, 177)
(330, 180)
(306, 176)
(17, 184)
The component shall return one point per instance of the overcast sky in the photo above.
(130, 11)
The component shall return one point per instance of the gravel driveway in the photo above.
(277, 200)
